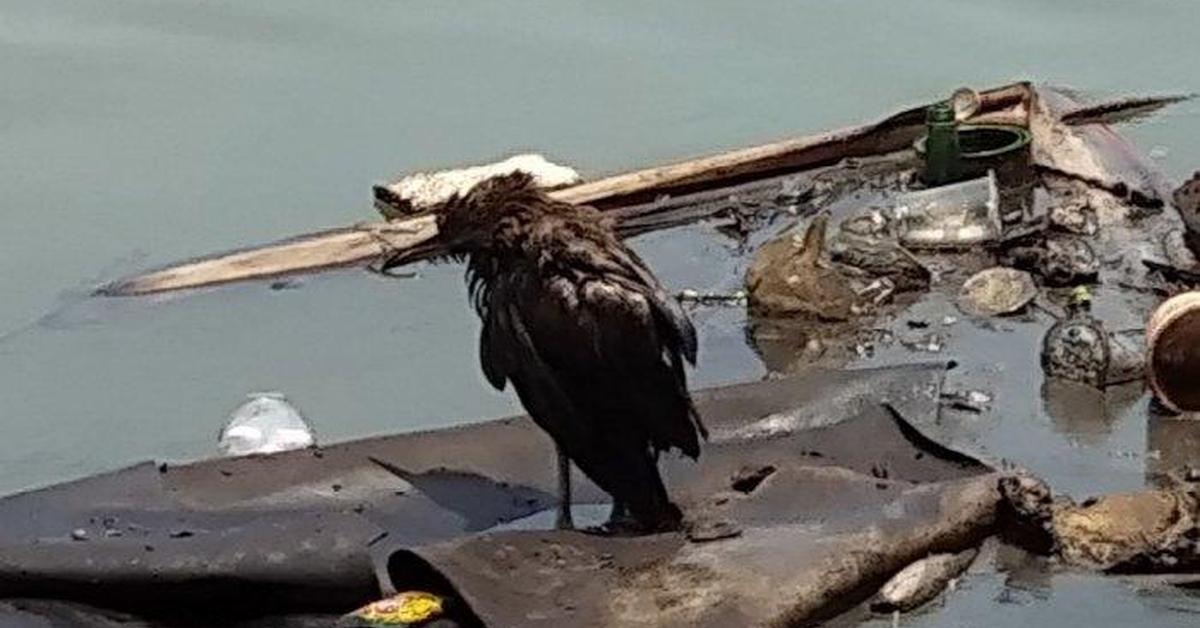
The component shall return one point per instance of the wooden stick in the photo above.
(356, 245)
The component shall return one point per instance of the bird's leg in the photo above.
(564, 520)
(621, 521)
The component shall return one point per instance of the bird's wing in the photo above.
(572, 397)
(674, 329)
(610, 258)
(676, 326)
(494, 352)
(510, 350)
(603, 338)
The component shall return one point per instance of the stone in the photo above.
(921, 581)
(996, 291)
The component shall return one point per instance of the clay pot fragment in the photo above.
(1173, 356)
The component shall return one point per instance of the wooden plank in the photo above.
(364, 243)
(328, 249)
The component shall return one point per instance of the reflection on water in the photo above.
(1026, 576)
(1086, 412)
(1175, 441)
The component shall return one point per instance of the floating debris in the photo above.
(420, 191)
(1174, 274)
(794, 191)
(931, 342)
(868, 225)
(265, 424)
(951, 216)
(1178, 254)
(976, 401)
(711, 298)
(883, 258)
(79, 534)
(996, 291)
(1075, 216)
(873, 294)
(1060, 261)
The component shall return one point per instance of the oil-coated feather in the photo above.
(592, 344)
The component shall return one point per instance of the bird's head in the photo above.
(470, 223)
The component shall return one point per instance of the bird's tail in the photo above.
(635, 481)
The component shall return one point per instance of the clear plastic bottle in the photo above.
(265, 424)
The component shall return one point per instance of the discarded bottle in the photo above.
(943, 157)
(265, 424)
(1076, 348)
(1173, 360)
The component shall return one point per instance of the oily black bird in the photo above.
(593, 345)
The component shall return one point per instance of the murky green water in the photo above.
(133, 134)
(136, 133)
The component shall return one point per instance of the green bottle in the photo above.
(942, 154)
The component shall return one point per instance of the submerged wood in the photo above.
(360, 244)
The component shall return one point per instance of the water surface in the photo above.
(136, 133)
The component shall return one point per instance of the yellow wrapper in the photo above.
(409, 607)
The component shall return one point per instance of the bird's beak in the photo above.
(422, 251)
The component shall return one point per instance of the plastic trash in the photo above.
(407, 608)
(957, 215)
(265, 424)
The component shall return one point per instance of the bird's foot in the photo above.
(619, 528)
(628, 525)
(622, 523)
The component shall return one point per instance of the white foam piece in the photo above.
(425, 189)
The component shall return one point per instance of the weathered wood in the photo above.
(363, 243)
(327, 249)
